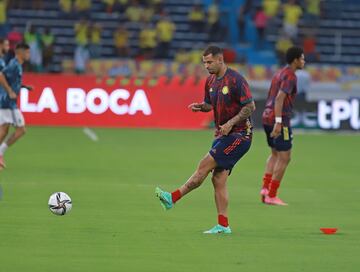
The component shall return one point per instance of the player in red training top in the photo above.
(276, 121)
(226, 93)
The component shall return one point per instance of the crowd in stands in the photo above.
(157, 30)
(291, 11)
(154, 37)
(40, 42)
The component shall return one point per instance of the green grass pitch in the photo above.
(117, 224)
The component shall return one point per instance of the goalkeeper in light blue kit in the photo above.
(10, 86)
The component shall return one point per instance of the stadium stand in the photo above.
(337, 34)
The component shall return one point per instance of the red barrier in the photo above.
(80, 100)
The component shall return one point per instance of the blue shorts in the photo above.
(227, 150)
(281, 143)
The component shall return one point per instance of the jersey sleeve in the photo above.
(2, 64)
(243, 91)
(287, 84)
(10, 71)
(207, 92)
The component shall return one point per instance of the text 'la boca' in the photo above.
(96, 101)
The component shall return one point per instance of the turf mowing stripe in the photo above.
(91, 134)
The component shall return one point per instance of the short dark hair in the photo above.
(214, 50)
(22, 45)
(293, 53)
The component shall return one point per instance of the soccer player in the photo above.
(226, 93)
(10, 85)
(4, 49)
(276, 122)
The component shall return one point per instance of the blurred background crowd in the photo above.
(72, 35)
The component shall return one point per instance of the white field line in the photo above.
(91, 134)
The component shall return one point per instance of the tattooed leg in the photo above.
(205, 166)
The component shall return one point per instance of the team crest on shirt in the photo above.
(225, 90)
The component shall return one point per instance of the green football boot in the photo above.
(218, 229)
(165, 198)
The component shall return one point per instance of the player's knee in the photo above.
(21, 131)
(285, 159)
(288, 159)
(5, 128)
(214, 181)
(217, 184)
(202, 173)
(204, 169)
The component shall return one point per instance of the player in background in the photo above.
(226, 93)
(4, 49)
(276, 122)
(10, 85)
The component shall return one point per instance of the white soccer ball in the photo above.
(60, 203)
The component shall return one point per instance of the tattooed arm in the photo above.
(244, 113)
(204, 107)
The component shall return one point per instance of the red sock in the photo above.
(176, 195)
(223, 220)
(266, 180)
(274, 185)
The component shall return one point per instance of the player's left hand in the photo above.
(28, 87)
(276, 130)
(225, 129)
(195, 107)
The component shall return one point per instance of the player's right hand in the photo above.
(12, 95)
(276, 130)
(195, 106)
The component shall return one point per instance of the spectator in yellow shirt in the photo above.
(313, 7)
(66, 6)
(271, 7)
(196, 18)
(121, 42)
(33, 38)
(83, 7)
(134, 12)
(147, 41)
(313, 12)
(195, 55)
(147, 13)
(165, 32)
(182, 57)
(213, 22)
(4, 28)
(95, 40)
(81, 32)
(48, 40)
(283, 43)
(292, 14)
